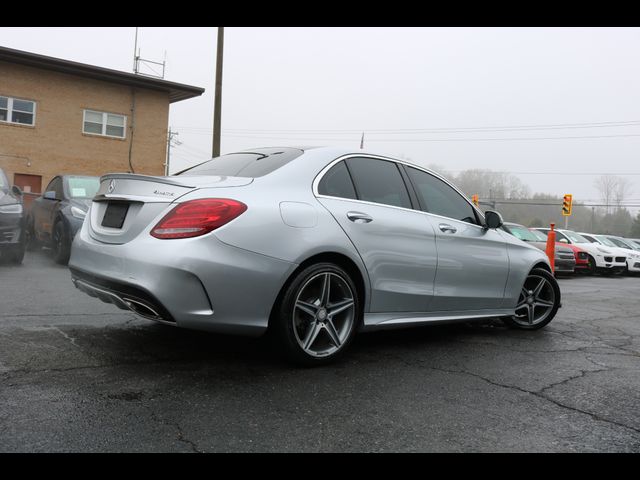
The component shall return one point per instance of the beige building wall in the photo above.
(57, 145)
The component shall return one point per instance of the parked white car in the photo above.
(601, 259)
(618, 246)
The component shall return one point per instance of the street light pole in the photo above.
(217, 106)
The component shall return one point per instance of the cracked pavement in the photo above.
(77, 375)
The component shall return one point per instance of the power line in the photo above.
(548, 173)
(557, 203)
(611, 124)
(406, 140)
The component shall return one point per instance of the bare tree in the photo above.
(622, 191)
(607, 186)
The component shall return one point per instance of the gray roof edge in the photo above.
(177, 91)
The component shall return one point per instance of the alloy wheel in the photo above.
(323, 314)
(537, 301)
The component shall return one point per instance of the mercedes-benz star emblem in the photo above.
(112, 186)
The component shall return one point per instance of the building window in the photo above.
(103, 123)
(15, 110)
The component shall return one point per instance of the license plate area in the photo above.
(115, 214)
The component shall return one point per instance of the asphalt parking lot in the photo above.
(77, 375)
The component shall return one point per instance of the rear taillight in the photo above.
(197, 217)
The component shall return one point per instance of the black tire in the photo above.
(591, 266)
(287, 324)
(537, 273)
(60, 244)
(32, 243)
(16, 255)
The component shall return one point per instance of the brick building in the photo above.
(63, 117)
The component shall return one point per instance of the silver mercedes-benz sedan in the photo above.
(312, 244)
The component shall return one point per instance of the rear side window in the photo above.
(256, 163)
(439, 198)
(378, 181)
(337, 183)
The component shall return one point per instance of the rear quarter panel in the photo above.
(284, 223)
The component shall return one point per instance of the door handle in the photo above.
(444, 227)
(359, 217)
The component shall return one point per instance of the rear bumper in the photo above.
(200, 283)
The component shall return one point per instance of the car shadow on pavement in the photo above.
(187, 349)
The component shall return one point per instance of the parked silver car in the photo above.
(312, 243)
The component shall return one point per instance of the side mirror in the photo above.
(492, 219)
(50, 195)
(563, 240)
(16, 190)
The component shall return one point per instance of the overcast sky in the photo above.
(446, 96)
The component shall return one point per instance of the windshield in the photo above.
(522, 233)
(4, 183)
(605, 241)
(574, 237)
(617, 243)
(539, 235)
(83, 187)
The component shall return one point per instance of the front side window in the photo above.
(439, 198)
(55, 185)
(15, 110)
(103, 123)
(378, 181)
(337, 183)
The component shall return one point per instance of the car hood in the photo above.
(6, 198)
(595, 249)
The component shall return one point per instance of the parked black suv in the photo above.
(57, 215)
(12, 222)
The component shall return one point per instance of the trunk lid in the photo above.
(126, 204)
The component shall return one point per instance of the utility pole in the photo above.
(217, 106)
(169, 143)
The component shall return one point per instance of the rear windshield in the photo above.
(256, 163)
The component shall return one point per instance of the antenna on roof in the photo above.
(147, 65)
